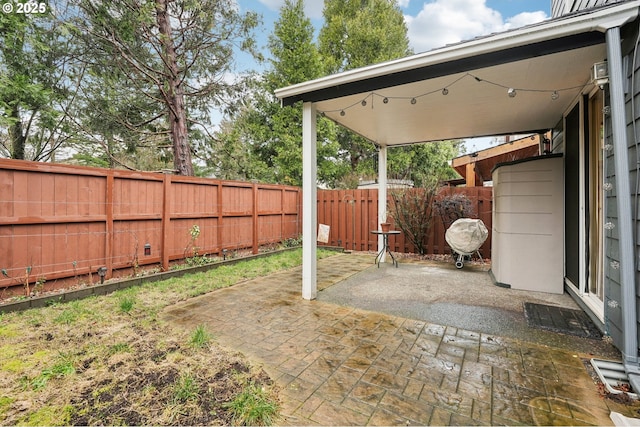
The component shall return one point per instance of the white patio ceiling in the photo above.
(556, 55)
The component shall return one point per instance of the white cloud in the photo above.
(525, 18)
(403, 3)
(312, 8)
(442, 22)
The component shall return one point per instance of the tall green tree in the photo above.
(358, 33)
(37, 83)
(272, 134)
(172, 56)
(425, 164)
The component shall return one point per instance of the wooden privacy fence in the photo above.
(352, 214)
(60, 221)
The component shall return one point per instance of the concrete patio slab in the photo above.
(339, 364)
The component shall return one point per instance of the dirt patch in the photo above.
(151, 393)
(86, 363)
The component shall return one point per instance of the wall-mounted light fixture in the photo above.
(147, 249)
(600, 74)
(546, 144)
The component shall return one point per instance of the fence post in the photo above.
(166, 219)
(254, 187)
(108, 227)
(283, 194)
(219, 210)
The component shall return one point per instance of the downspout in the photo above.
(623, 200)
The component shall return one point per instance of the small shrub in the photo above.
(197, 260)
(200, 337)
(292, 242)
(253, 407)
(452, 207)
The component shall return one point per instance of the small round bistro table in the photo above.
(385, 246)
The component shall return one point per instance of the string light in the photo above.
(511, 93)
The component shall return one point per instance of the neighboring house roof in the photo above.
(481, 163)
(553, 56)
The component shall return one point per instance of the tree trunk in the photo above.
(18, 139)
(174, 95)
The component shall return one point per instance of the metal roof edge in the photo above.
(599, 20)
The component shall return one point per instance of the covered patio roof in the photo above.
(461, 90)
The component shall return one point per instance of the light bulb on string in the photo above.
(445, 91)
(342, 113)
(385, 100)
(511, 92)
(364, 103)
(555, 95)
(413, 101)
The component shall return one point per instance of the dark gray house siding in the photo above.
(613, 312)
(613, 290)
(562, 7)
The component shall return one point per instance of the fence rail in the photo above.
(352, 214)
(61, 221)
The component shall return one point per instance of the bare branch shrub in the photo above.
(452, 207)
(412, 212)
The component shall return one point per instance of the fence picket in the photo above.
(334, 211)
(65, 221)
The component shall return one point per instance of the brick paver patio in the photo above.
(339, 365)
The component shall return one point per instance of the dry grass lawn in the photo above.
(109, 360)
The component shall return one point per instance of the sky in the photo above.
(431, 24)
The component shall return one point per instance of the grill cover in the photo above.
(466, 235)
